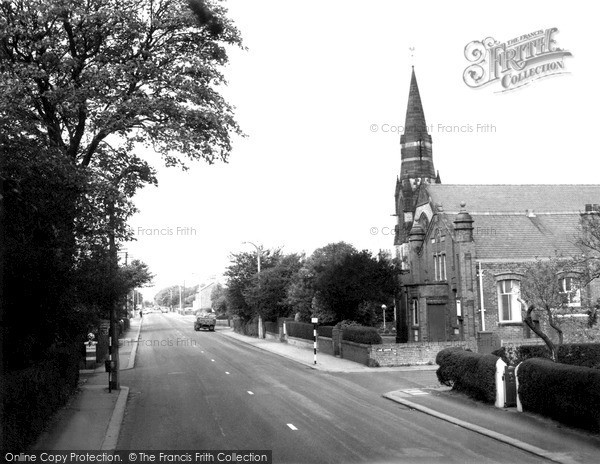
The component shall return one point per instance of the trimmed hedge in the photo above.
(300, 330)
(32, 395)
(576, 354)
(272, 327)
(468, 372)
(360, 334)
(569, 394)
(325, 331)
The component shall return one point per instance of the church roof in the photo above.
(501, 198)
(518, 237)
(516, 222)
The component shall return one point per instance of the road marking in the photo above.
(291, 426)
(212, 360)
(173, 373)
(250, 393)
(415, 392)
(227, 372)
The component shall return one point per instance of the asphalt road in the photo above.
(205, 391)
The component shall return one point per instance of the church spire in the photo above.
(415, 143)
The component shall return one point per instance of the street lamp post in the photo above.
(383, 308)
(258, 255)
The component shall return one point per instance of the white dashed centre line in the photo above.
(250, 393)
(212, 360)
(227, 372)
(291, 426)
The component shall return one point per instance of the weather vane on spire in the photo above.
(412, 56)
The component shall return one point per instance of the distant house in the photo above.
(203, 294)
(462, 248)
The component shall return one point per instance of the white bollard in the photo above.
(500, 399)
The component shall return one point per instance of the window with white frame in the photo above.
(570, 289)
(509, 308)
(415, 311)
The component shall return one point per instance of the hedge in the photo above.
(576, 354)
(360, 334)
(249, 328)
(32, 395)
(271, 327)
(468, 372)
(300, 330)
(325, 331)
(569, 394)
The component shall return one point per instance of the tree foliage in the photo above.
(218, 300)
(78, 73)
(342, 283)
(240, 277)
(267, 291)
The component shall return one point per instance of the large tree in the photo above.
(241, 274)
(546, 297)
(94, 77)
(83, 86)
(340, 283)
(267, 292)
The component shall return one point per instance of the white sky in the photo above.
(316, 76)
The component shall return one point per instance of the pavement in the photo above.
(92, 419)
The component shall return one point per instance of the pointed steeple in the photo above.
(415, 143)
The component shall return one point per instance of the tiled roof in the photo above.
(521, 237)
(514, 198)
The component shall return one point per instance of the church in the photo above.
(461, 248)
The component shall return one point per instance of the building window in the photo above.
(571, 291)
(509, 309)
(443, 266)
(415, 311)
(439, 266)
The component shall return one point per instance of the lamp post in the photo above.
(383, 308)
(258, 254)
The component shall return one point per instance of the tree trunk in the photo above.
(529, 321)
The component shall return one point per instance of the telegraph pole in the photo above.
(113, 337)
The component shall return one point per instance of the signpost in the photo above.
(315, 321)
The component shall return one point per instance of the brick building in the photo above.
(462, 248)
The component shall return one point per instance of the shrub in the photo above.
(33, 394)
(576, 354)
(468, 372)
(514, 356)
(569, 394)
(300, 330)
(360, 334)
(325, 331)
(271, 327)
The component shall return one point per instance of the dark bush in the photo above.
(569, 394)
(300, 330)
(576, 354)
(468, 372)
(580, 354)
(32, 395)
(325, 331)
(249, 328)
(360, 334)
(271, 327)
